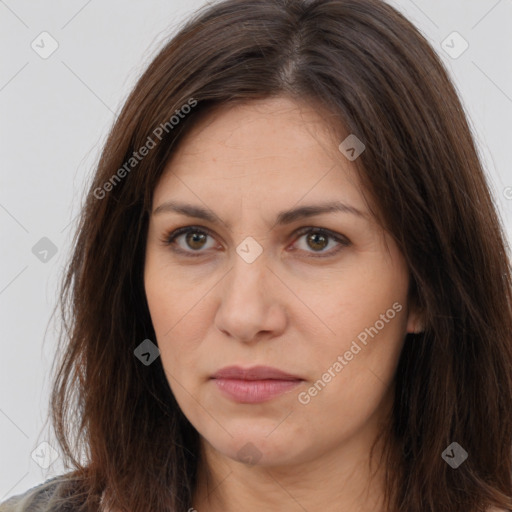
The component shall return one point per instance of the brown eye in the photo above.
(195, 239)
(317, 240)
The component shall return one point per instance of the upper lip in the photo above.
(253, 373)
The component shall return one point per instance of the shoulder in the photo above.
(35, 499)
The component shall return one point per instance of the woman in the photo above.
(290, 288)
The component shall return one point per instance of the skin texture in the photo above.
(287, 309)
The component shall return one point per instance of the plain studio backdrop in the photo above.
(66, 69)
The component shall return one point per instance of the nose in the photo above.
(251, 304)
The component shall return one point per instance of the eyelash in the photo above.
(170, 237)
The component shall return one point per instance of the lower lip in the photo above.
(254, 391)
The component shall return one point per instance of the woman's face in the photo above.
(257, 284)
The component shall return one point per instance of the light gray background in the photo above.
(55, 114)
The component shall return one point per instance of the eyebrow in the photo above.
(284, 217)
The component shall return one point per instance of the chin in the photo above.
(254, 446)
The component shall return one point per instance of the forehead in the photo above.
(275, 147)
(271, 127)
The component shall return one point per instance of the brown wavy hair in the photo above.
(374, 73)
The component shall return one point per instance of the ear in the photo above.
(415, 321)
(415, 312)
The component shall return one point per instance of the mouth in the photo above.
(254, 385)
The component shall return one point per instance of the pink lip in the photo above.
(254, 373)
(256, 384)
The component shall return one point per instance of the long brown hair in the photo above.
(378, 78)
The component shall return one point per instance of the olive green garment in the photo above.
(36, 499)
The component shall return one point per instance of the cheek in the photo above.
(353, 378)
(364, 318)
(178, 337)
(346, 304)
(179, 317)
(173, 300)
